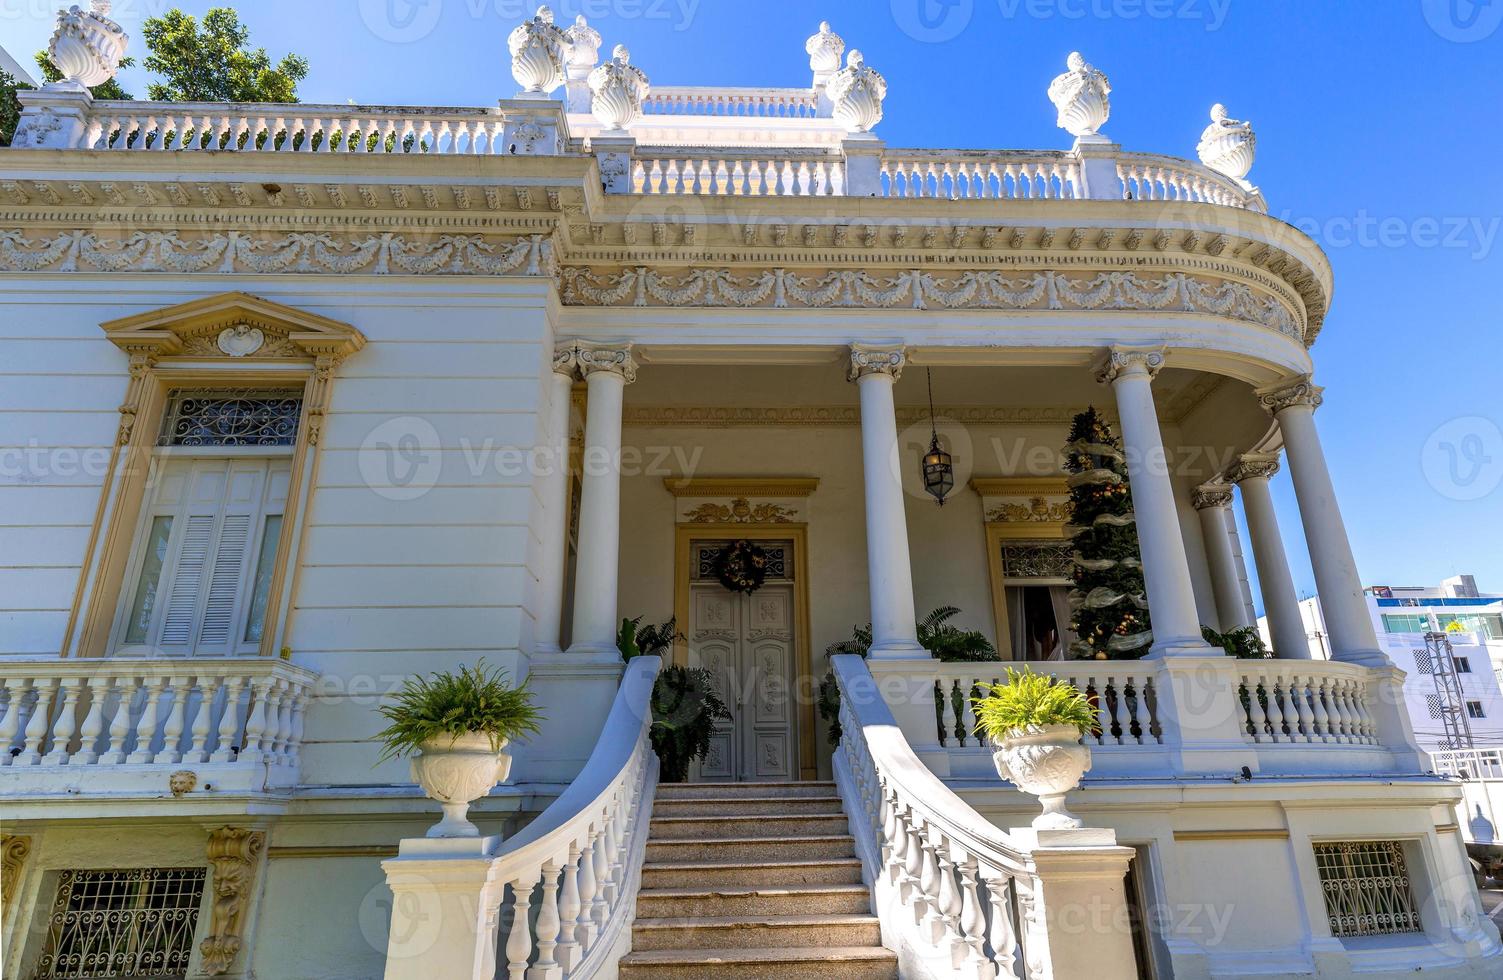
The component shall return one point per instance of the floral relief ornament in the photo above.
(740, 511)
(1036, 510)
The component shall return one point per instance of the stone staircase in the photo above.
(753, 880)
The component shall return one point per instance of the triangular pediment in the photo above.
(235, 325)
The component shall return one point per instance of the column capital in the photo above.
(1123, 361)
(1212, 495)
(610, 358)
(1298, 390)
(875, 359)
(1253, 466)
(566, 360)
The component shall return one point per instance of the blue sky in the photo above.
(1377, 134)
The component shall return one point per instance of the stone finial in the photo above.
(86, 46)
(618, 88)
(537, 53)
(857, 92)
(1227, 145)
(825, 49)
(1082, 96)
(584, 43)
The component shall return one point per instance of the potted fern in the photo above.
(1036, 722)
(685, 705)
(456, 727)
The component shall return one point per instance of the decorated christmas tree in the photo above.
(1110, 612)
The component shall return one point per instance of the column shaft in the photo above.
(1353, 638)
(1275, 583)
(595, 577)
(1213, 503)
(890, 577)
(1166, 573)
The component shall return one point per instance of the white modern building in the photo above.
(302, 400)
(15, 69)
(1472, 622)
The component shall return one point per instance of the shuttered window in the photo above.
(203, 559)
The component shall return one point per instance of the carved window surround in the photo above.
(229, 340)
(1017, 509)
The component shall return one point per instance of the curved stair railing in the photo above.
(566, 884)
(958, 897)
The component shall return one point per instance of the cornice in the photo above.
(1021, 486)
(729, 416)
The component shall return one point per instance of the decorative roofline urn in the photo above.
(857, 92)
(1228, 145)
(1082, 96)
(618, 89)
(537, 53)
(824, 48)
(584, 43)
(86, 46)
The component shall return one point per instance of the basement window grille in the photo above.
(232, 417)
(128, 922)
(1366, 886)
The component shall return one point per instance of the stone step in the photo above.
(849, 899)
(764, 850)
(829, 963)
(705, 827)
(731, 806)
(752, 931)
(700, 791)
(688, 873)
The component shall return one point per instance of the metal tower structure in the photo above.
(1437, 660)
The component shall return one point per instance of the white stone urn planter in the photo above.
(1046, 761)
(457, 772)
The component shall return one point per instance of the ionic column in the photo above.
(1213, 502)
(555, 493)
(607, 372)
(1166, 572)
(1292, 404)
(1280, 603)
(894, 634)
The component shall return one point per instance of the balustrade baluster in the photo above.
(1336, 720)
(586, 929)
(229, 722)
(570, 952)
(1003, 928)
(1258, 716)
(203, 719)
(255, 721)
(948, 902)
(1283, 720)
(610, 882)
(600, 909)
(548, 927)
(67, 717)
(283, 726)
(519, 940)
(1298, 721)
(1309, 695)
(172, 728)
(10, 721)
(972, 958)
(1114, 702)
(37, 725)
(931, 922)
(146, 727)
(92, 725)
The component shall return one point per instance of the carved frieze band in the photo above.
(272, 253)
(915, 289)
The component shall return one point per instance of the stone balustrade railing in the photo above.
(1292, 716)
(769, 173)
(959, 174)
(126, 725)
(578, 865)
(1147, 177)
(773, 103)
(957, 896)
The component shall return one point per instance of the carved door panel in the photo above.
(747, 643)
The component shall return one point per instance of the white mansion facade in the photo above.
(302, 400)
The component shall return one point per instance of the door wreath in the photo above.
(741, 567)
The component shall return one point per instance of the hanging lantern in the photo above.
(939, 472)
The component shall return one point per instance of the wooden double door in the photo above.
(747, 642)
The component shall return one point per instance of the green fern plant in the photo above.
(1242, 642)
(1031, 700)
(474, 701)
(634, 639)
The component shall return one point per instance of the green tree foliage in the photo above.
(108, 89)
(214, 62)
(1111, 611)
(10, 106)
